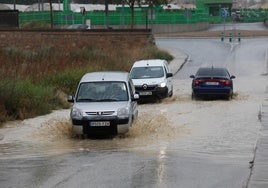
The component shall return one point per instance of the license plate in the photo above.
(145, 93)
(99, 123)
(212, 83)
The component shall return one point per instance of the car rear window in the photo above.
(212, 72)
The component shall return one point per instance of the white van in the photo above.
(105, 103)
(152, 78)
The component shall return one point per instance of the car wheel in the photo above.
(228, 97)
(81, 136)
(171, 93)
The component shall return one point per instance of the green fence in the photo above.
(116, 17)
(141, 17)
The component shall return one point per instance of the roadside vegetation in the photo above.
(34, 83)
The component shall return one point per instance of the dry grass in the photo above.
(30, 80)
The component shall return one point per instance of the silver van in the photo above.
(105, 103)
(152, 78)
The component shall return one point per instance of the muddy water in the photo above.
(218, 128)
(52, 135)
(202, 127)
(205, 128)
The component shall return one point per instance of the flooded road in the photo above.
(51, 135)
(179, 142)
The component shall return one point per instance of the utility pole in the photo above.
(14, 4)
(51, 14)
(107, 14)
(39, 5)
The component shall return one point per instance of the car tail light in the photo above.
(225, 82)
(198, 82)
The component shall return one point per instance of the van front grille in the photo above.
(102, 113)
(149, 87)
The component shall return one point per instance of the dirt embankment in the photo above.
(70, 40)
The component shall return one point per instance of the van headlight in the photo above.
(163, 84)
(123, 112)
(76, 113)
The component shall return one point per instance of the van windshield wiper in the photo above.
(97, 100)
(86, 100)
(104, 100)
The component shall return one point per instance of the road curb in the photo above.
(178, 62)
(259, 171)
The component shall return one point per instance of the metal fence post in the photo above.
(239, 37)
(230, 37)
(222, 36)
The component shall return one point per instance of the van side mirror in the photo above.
(135, 97)
(169, 75)
(232, 77)
(70, 99)
(192, 76)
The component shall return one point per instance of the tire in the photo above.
(229, 97)
(171, 93)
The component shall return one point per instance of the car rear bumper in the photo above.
(212, 91)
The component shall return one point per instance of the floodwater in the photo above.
(220, 128)
(52, 135)
(212, 141)
(203, 127)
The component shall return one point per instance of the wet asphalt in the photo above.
(259, 165)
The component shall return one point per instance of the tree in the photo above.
(107, 13)
(131, 4)
(106, 4)
(151, 3)
(51, 14)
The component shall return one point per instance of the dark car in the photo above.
(212, 82)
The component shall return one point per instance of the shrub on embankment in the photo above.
(36, 82)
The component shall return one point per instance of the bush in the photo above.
(23, 99)
(66, 81)
(35, 82)
(152, 52)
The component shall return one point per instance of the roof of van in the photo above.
(105, 76)
(149, 62)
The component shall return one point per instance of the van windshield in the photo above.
(147, 72)
(102, 92)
